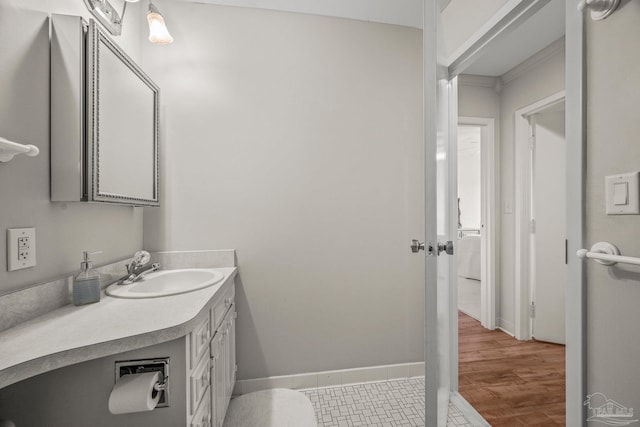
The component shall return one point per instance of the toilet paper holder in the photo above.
(127, 367)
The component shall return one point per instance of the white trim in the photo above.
(469, 412)
(490, 210)
(499, 26)
(532, 62)
(452, 232)
(506, 329)
(434, 371)
(523, 168)
(478, 81)
(331, 378)
(575, 134)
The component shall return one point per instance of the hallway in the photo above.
(510, 382)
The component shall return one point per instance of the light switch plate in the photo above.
(617, 203)
(508, 206)
(21, 248)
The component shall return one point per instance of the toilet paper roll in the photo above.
(135, 393)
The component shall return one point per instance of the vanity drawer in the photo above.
(199, 382)
(202, 417)
(222, 306)
(199, 341)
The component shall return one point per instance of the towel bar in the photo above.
(606, 254)
(8, 149)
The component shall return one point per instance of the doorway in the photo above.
(469, 220)
(485, 49)
(540, 220)
(476, 254)
(497, 368)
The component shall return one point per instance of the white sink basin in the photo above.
(167, 282)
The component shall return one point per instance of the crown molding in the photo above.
(479, 81)
(534, 61)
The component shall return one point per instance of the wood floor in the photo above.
(509, 382)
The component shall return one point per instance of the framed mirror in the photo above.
(122, 105)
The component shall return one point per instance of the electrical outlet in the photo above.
(21, 248)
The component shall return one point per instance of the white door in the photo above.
(549, 227)
(439, 228)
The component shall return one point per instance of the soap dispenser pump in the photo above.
(86, 284)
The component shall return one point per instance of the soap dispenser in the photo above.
(86, 284)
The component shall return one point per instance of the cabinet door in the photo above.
(218, 383)
(202, 417)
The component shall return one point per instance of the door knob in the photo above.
(446, 247)
(416, 246)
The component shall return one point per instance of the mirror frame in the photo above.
(97, 39)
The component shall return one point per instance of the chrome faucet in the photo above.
(138, 268)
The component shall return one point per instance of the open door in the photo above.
(439, 229)
(548, 231)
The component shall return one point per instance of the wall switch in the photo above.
(623, 194)
(508, 206)
(21, 248)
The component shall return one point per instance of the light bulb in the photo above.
(158, 32)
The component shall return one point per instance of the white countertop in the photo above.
(71, 334)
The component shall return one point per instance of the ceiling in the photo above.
(408, 14)
(537, 32)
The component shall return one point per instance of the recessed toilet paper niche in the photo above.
(129, 367)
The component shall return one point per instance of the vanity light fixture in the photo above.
(158, 33)
(109, 17)
(107, 14)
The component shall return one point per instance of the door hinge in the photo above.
(532, 310)
(532, 226)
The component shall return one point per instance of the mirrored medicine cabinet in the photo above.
(104, 119)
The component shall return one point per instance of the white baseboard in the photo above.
(468, 411)
(506, 326)
(331, 378)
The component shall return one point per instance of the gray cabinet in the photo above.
(211, 351)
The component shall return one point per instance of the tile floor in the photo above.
(394, 403)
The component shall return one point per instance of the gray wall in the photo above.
(63, 230)
(613, 294)
(297, 140)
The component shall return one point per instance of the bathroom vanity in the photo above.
(59, 369)
(212, 363)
